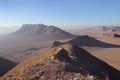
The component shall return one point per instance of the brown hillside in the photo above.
(63, 62)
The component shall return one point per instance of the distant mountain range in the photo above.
(42, 31)
(100, 31)
(105, 28)
(110, 29)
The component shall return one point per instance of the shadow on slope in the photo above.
(91, 42)
(92, 65)
(72, 60)
(80, 61)
(5, 66)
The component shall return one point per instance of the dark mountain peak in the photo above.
(90, 41)
(83, 37)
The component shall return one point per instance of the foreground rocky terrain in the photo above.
(64, 62)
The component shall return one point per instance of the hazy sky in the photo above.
(60, 12)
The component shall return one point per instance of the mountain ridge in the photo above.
(63, 62)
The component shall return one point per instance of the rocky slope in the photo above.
(65, 62)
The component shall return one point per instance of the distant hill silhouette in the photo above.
(42, 31)
(91, 42)
(104, 28)
(6, 65)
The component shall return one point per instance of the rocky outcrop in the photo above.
(56, 43)
(116, 36)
